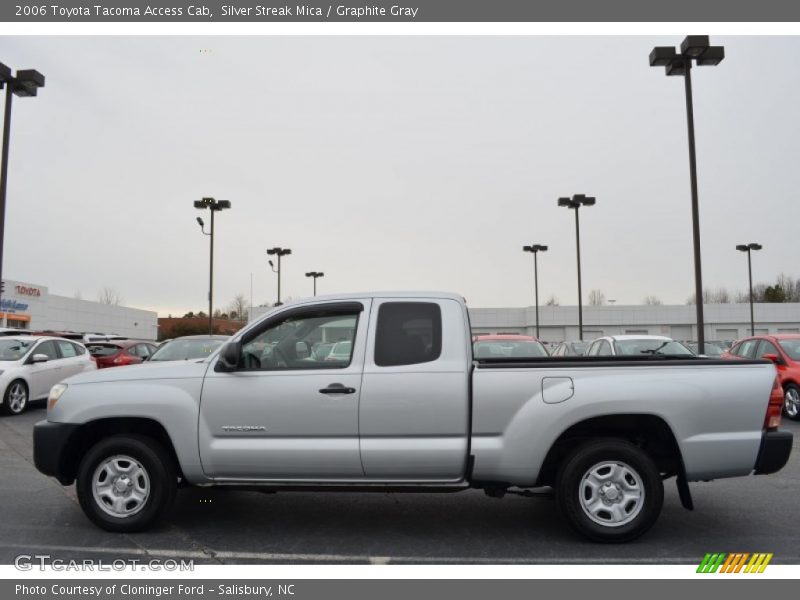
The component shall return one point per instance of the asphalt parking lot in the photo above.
(754, 514)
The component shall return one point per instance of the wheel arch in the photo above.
(647, 431)
(91, 432)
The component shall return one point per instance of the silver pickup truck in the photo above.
(402, 405)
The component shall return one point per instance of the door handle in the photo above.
(337, 388)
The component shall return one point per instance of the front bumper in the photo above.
(776, 446)
(50, 450)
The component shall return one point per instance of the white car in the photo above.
(637, 345)
(31, 365)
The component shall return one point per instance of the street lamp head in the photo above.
(742, 247)
(221, 205)
(5, 74)
(588, 200)
(542, 248)
(200, 222)
(272, 251)
(755, 246)
(28, 81)
(567, 202)
(201, 204)
(711, 57)
(694, 46)
(270, 263)
(661, 56)
(676, 68)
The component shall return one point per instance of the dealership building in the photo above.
(559, 323)
(31, 306)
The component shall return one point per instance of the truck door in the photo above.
(414, 411)
(290, 410)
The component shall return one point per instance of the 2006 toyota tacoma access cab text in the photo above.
(381, 392)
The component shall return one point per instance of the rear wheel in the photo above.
(791, 401)
(126, 483)
(610, 491)
(15, 400)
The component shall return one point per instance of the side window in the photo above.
(593, 349)
(408, 333)
(48, 348)
(747, 349)
(67, 349)
(309, 340)
(604, 349)
(766, 348)
(79, 350)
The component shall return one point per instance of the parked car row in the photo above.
(31, 364)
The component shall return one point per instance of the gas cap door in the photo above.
(557, 389)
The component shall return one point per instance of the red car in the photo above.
(120, 352)
(509, 345)
(784, 350)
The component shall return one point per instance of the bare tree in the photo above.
(652, 301)
(552, 301)
(597, 298)
(239, 307)
(109, 295)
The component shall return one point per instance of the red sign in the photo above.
(28, 291)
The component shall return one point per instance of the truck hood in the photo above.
(178, 369)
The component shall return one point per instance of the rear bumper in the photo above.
(50, 442)
(776, 446)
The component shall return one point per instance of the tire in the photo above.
(141, 483)
(595, 480)
(791, 402)
(15, 399)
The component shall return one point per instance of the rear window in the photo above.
(103, 349)
(408, 333)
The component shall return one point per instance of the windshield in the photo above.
(14, 349)
(643, 346)
(791, 347)
(579, 348)
(341, 348)
(103, 349)
(508, 349)
(186, 349)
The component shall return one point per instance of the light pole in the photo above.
(277, 251)
(575, 203)
(693, 48)
(214, 206)
(749, 248)
(535, 249)
(25, 84)
(315, 275)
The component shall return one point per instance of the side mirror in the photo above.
(39, 358)
(229, 357)
(774, 358)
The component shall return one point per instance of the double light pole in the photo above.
(749, 249)
(575, 204)
(214, 206)
(279, 252)
(315, 275)
(535, 249)
(694, 48)
(25, 83)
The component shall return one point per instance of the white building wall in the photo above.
(61, 313)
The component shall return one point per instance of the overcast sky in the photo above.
(396, 163)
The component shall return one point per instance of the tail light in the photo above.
(123, 359)
(772, 420)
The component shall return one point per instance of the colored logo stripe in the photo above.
(734, 562)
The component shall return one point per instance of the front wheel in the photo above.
(610, 491)
(15, 400)
(126, 483)
(791, 402)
